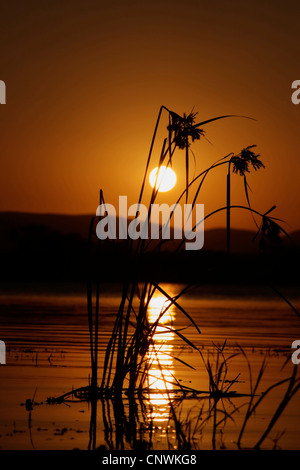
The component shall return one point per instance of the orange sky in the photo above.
(85, 81)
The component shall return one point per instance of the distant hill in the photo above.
(242, 241)
(10, 221)
(54, 246)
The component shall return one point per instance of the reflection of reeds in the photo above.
(128, 422)
(293, 386)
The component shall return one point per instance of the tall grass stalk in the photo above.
(228, 210)
(126, 353)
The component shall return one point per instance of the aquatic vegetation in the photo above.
(132, 347)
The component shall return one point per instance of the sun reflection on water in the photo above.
(161, 362)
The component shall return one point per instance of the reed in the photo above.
(126, 353)
(293, 385)
(127, 364)
(128, 420)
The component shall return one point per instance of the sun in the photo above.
(165, 180)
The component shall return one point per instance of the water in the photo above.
(46, 333)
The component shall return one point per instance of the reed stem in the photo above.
(228, 210)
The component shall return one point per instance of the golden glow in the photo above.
(158, 305)
(163, 178)
(101, 105)
(161, 362)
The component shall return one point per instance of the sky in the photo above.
(85, 81)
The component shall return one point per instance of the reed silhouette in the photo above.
(126, 368)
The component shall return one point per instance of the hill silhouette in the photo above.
(55, 247)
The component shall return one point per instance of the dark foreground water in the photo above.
(46, 334)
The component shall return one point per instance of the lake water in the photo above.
(46, 334)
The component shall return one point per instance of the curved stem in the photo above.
(215, 212)
(203, 174)
(151, 149)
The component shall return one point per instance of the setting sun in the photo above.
(165, 180)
